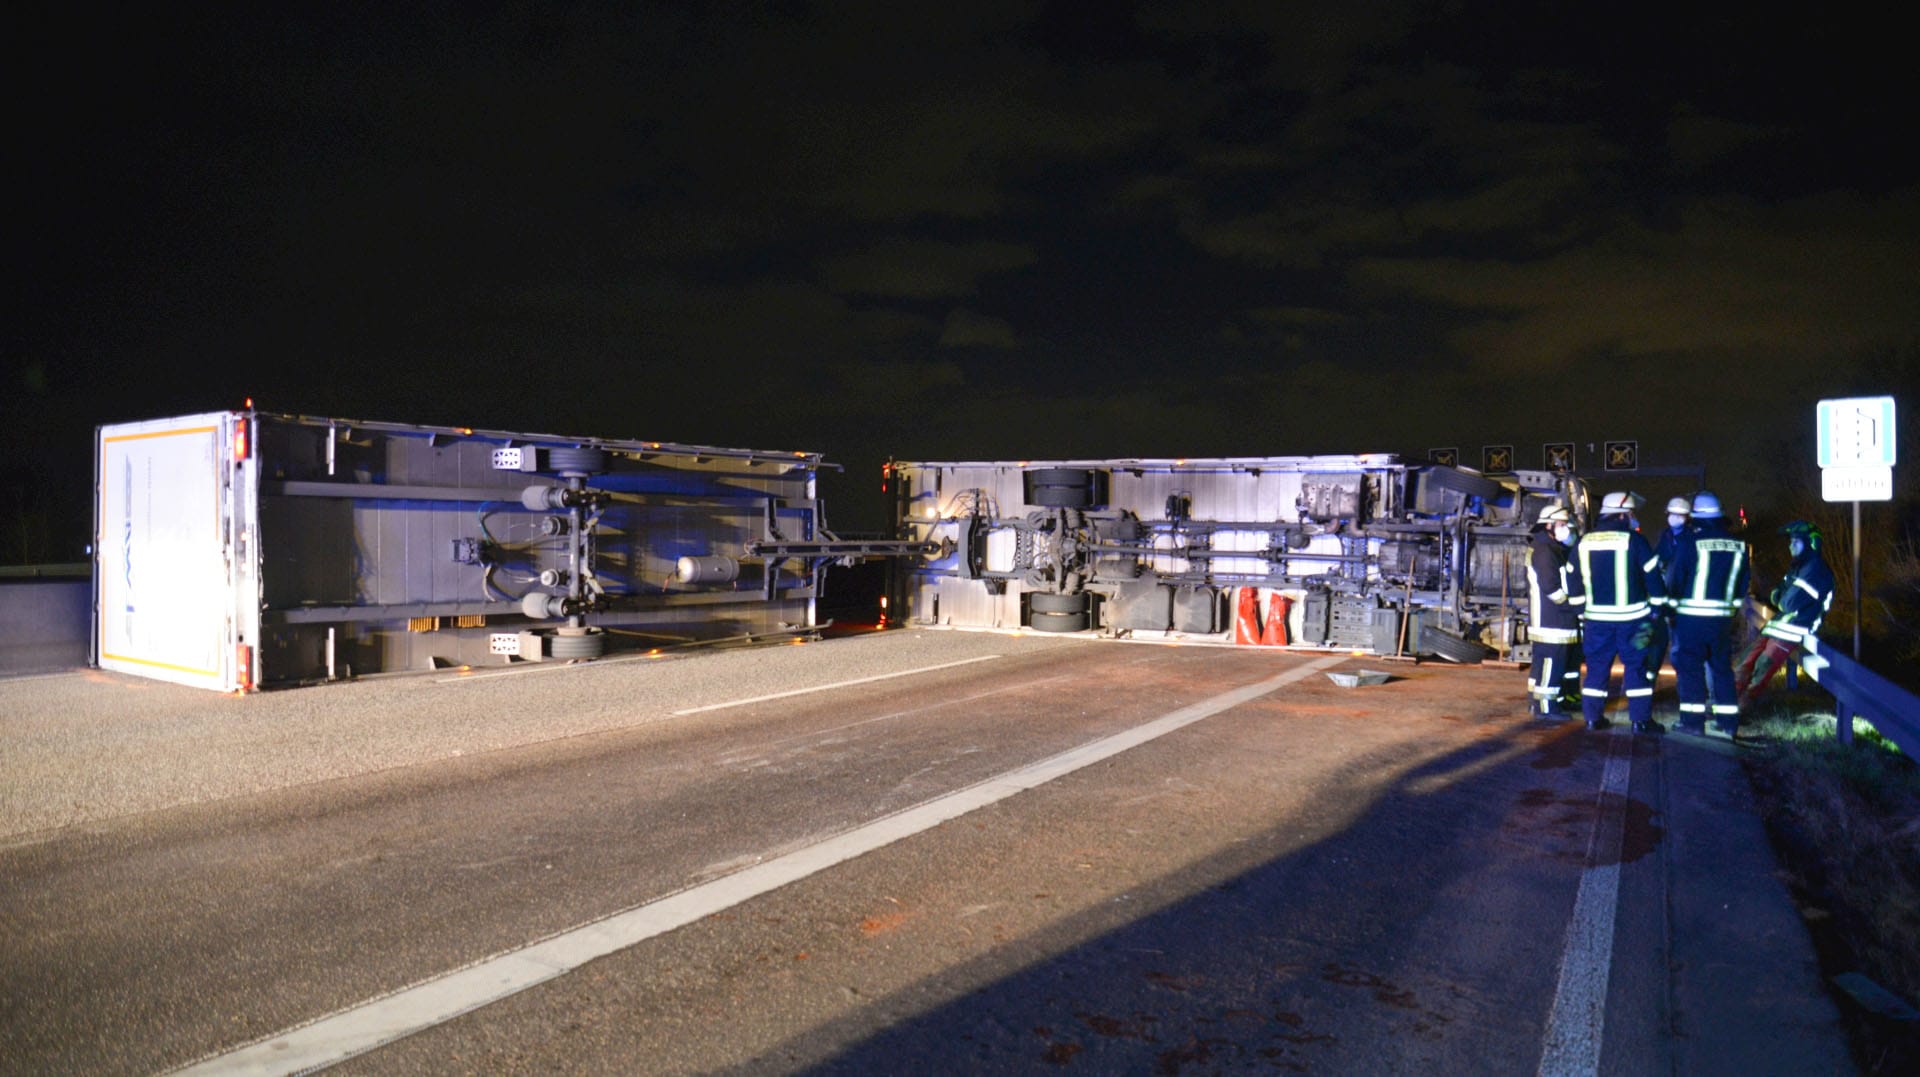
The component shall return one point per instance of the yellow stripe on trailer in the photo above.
(161, 665)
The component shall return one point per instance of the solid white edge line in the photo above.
(383, 1020)
(1576, 1024)
(836, 684)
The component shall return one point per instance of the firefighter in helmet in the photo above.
(1679, 524)
(1801, 601)
(1624, 592)
(1554, 600)
(1708, 585)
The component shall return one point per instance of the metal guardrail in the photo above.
(1862, 693)
(78, 570)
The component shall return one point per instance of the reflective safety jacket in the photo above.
(1710, 572)
(1802, 597)
(1554, 594)
(1619, 571)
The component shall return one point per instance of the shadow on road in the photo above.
(1425, 934)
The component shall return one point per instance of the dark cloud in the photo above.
(965, 329)
(1734, 282)
(923, 269)
(1697, 142)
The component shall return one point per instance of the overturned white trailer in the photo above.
(1363, 552)
(243, 549)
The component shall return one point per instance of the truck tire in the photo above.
(1062, 487)
(577, 461)
(1453, 648)
(1058, 622)
(1047, 602)
(591, 645)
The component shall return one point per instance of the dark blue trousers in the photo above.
(1604, 640)
(1554, 676)
(1704, 648)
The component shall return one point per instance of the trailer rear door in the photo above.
(164, 601)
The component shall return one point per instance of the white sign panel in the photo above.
(1856, 483)
(1858, 432)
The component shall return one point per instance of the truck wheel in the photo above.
(590, 645)
(579, 461)
(1058, 622)
(1062, 487)
(1453, 648)
(1047, 602)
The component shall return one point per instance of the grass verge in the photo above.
(1845, 823)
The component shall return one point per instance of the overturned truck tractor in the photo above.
(1366, 553)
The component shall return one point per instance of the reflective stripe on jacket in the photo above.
(1621, 574)
(1803, 597)
(1710, 573)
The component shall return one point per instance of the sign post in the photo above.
(1855, 447)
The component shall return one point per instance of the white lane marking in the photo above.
(1576, 1025)
(836, 684)
(381, 1021)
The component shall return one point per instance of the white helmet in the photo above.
(1679, 506)
(1706, 506)
(1620, 501)
(1554, 514)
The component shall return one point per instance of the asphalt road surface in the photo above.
(906, 853)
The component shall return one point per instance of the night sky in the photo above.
(1009, 230)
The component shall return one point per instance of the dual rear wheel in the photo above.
(1048, 612)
